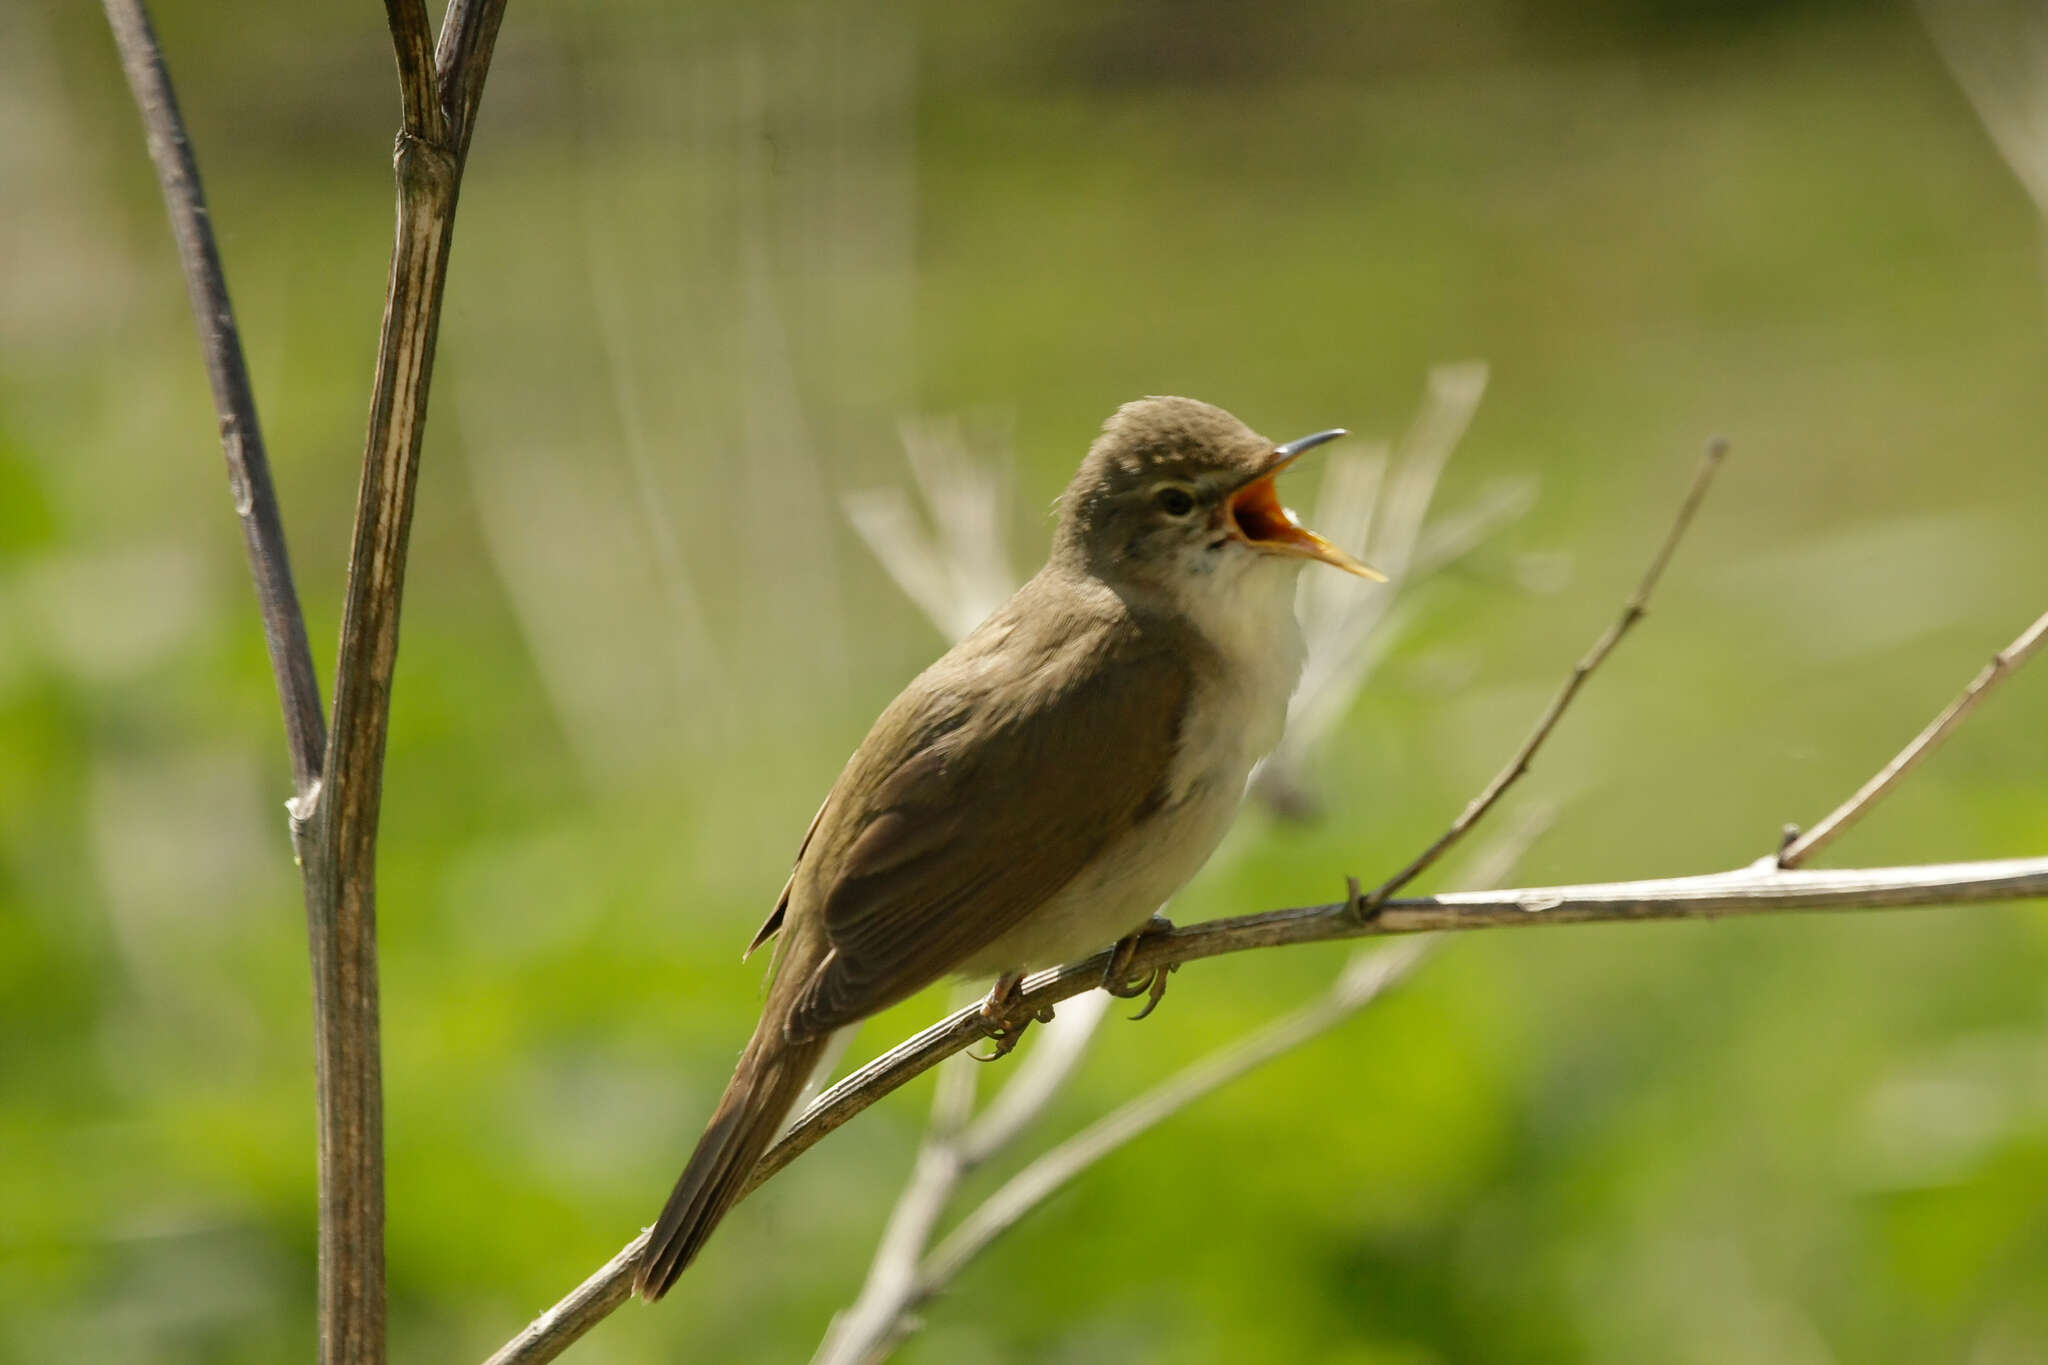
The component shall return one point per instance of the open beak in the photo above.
(1258, 518)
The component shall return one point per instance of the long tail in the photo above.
(765, 1086)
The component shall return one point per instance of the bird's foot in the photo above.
(1361, 905)
(1117, 978)
(1005, 1016)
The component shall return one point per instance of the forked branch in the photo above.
(338, 772)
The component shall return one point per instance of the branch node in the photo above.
(422, 165)
(300, 810)
(1361, 908)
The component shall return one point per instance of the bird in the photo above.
(1040, 791)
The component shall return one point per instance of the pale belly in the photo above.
(1120, 890)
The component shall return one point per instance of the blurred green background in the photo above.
(706, 265)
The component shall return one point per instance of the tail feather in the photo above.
(770, 1077)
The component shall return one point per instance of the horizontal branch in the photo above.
(1756, 890)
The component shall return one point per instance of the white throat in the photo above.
(1246, 611)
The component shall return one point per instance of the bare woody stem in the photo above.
(341, 847)
(2002, 664)
(1632, 611)
(1756, 890)
(241, 435)
(340, 866)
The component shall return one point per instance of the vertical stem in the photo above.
(340, 866)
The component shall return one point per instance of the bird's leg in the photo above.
(1117, 979)
(1004, 1017)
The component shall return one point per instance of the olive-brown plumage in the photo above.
(1042, 789)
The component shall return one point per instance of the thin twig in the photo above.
(1755, 890)
(2003, 663)
(1632, 611)
(241, 436)
(469, 37)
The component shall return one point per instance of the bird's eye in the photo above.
(1176, 502)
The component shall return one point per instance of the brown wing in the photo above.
(988, 791)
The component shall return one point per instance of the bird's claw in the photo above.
(1004, 1017)
(1117, 978)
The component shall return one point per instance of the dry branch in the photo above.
(340, 862)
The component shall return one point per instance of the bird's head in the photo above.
(1176, 493)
